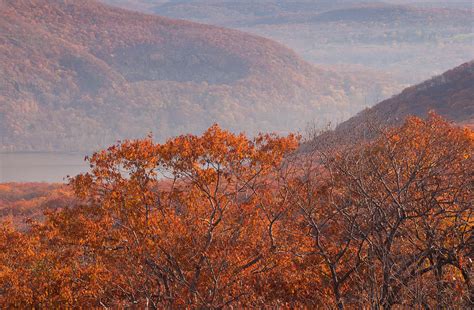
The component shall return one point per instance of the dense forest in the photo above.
(78, 76)
(449, 94)
(20, 201)
(221, 220)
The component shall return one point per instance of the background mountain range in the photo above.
(79, 75)
(412, 40)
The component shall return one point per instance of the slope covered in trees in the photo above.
(78, 75)
(450, 95)
(244, 223)
(22, 201)
(411, 40)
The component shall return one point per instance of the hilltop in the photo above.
(78, 75)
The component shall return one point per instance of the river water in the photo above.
(40, 167)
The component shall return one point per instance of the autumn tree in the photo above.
(402, 212)
(179, 224)
(220, 220)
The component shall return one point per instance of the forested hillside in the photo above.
(79, 75)
(410, 40)
(450, 95)
(22, 201)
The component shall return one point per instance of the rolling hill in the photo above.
(78, 75)
(410, 40)
(450, 95)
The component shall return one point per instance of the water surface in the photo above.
(40, 167)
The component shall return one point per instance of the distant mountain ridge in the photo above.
(245, 12)
(78, 75)
(409, 40)
(351, 12)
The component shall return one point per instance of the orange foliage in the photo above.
(29, 200)
(219, 220)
